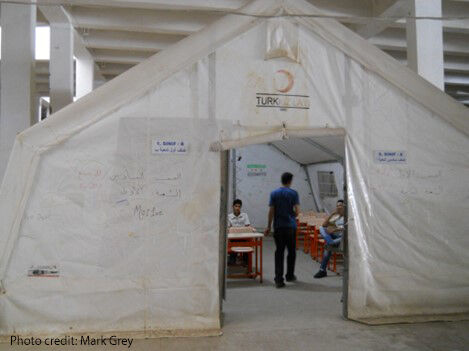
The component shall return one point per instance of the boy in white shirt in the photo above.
(237, 219)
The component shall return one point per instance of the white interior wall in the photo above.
(254, 191)
(327, 203)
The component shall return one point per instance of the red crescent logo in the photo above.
(290, 80)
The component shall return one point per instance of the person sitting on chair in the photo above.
(331, 231)
(237, 219)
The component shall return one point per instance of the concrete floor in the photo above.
(303, 316)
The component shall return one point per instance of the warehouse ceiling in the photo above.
(121, 33)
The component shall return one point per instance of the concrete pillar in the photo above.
(17, 97)
(61, 65)
(37, 106)
(84, 76)
(425, 41)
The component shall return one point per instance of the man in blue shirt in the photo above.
(284, 207)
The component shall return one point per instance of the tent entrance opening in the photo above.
(250, 174)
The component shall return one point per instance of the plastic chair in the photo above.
(300, 233)
(245, 250)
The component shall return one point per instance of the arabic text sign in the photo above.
(163, 146)
(390, 157)
(50, 271)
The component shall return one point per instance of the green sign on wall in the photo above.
(256, 170)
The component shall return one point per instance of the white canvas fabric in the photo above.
(126, 236)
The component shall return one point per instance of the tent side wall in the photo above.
(113, 224)
(406, 171)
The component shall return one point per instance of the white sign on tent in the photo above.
(169, 147)
(390, 157)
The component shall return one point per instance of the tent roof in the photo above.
(313, 150)
(139, 80)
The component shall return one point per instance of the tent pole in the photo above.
(308, 178)
(224, 189)
(345, 250)
(322, 162)
(233, 174)
(345, 238)
(279, 150)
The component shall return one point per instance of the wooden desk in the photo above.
(253, 240)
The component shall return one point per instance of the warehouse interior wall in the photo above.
(258, 172)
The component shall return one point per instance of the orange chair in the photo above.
(307, 238)
(317, 245)
(336, 258)
(300, 233)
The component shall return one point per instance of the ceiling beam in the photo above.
(455, 9)
(132, 41)
(55, 14)
(456, 79)
(117, 56)
(346, 8)
(457, 90)
(395, 39)
(42, 79)
(40, 19)
(42, 89)
(113, 68)
(453, 64)
(357, 14)
(138, 20)
(397, 8)
(42, 67)
(58, 15)
(204, 5)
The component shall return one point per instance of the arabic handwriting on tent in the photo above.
(37, 217)
(132, 189)
(125, 174)
(175, 193)
(144, 212)
(176, 177)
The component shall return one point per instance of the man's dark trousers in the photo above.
(284, 237)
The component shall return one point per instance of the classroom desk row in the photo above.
(248, 241)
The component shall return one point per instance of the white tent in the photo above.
(104, 226)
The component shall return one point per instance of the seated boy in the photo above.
(331, 230)
(237, 219)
